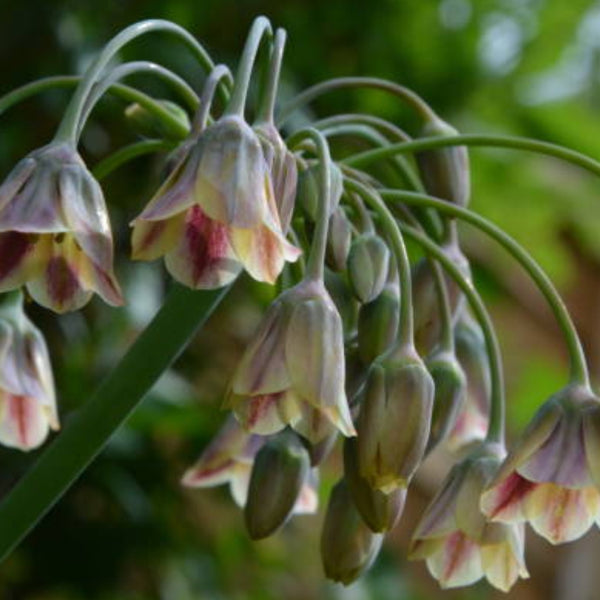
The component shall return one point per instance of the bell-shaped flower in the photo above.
(459, 545)
(551, 477)
(229, 458)
(216, 212)
(293, 371)
(27, 398)
(55, 235)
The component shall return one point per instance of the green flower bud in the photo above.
(280, 470)
(445, 171)
(378, 323)
(348, 546)
(368, 264)
(147, 125)
(379, 511)
(450, 392)
(394, 420)
(342, 297)
(308, 189)
(339, 240)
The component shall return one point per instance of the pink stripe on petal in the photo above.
(457, 563)
(15, 249)
(24, 424)
(504, 501)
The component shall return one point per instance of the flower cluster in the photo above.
(340, 350)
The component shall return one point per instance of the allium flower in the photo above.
(229, 459)
(27, 400)
(55, 234)
(551, 477)
(454, 537)
(293, 371)
(216, 212)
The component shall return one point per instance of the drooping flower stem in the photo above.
(260, 27)
(314, 92)
(316, 260)
(67, 131)
(181, 316)
(578, 366)
(208, 94)
(405, 325)
(495, 433)
(125, 92)
(363, 159)
(266, 107)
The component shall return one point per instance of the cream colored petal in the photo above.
(266, 414)
(457, 562)
(152, 239)
(506, 500)
(23, 422)
(308, 498)
(19, 258)
(239, 483)
(501, 567)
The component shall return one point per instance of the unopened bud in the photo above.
(379, 511)
(148, 125)
(348, 546)
(378, 323)
(279, 472)
(445, 171)
(368, 264)
(394, 421)
(450, 391)
(338, 240)
(309, 189)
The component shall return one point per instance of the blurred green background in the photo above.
(127, 530)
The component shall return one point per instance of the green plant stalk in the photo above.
(315, 266)
(415, 101)
(133, 68)
(578, 367)
(260, 27)
(124, 92)
(208, 95)
(266, 107)
(115, 160)
(67, 130)
(406, 338)
(495, 432)
(497, 141)
(181, 316)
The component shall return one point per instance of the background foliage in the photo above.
(127, 530)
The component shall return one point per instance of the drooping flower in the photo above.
(293, 371)
(550, 479)
(216, 212)
(229, 459)
(27, 398)
(459, 545)
(55, 235)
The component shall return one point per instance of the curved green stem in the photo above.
(266, 107)
(405, 325)
(69, 126)
(124, 92)
(497, 141)
(495, 433)
(208, 94)
(578, 367)
(260, 28)
(314, 92)
(112, 162)
(87, 432)
(316, 260)
(390, 130)
(131, 68)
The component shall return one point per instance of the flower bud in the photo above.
(280, 470)
(368, 264)
(338, 240)
(308, 189)
(450, 391)
(379, 511)
(348, 546)
(472, 420)
(148, 125)
(445, 171)
(394, 421)
(378, 323)
(344, 300)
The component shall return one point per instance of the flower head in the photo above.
(454, 537)
(550, 478)
(216, 212)
(27, 400)
(293, 371)
(55, 235)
